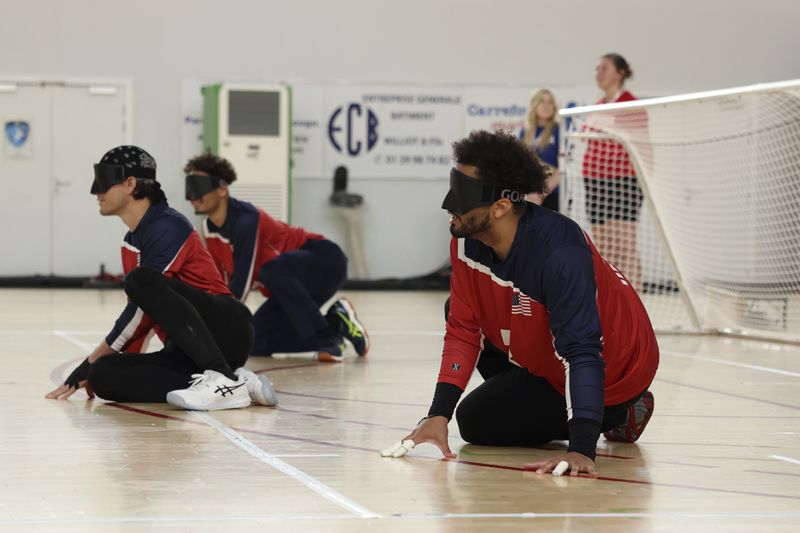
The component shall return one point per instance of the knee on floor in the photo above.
(101, 378)
(469, 422)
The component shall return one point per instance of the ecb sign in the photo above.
(353, 129)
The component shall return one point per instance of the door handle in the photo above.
(58, 183)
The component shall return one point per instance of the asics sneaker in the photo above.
(259, 387)
(211, 391)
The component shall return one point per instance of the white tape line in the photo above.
(309, 481)
(731, 363)
(206, 519)
(69, 338)
(786, 459)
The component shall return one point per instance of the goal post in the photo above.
(696, 198)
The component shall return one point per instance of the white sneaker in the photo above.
(259, 387)
(211, 391)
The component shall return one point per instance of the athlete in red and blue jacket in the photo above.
(559, 335)
(298, 271)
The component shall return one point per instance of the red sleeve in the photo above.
(463, 340)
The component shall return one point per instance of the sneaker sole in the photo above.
(626, 434)
(234, 403)
(326, 357)
(351, 313)
(265, 394)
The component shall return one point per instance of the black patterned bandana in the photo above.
(121, 162)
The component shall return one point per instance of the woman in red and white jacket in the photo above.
(613, 197)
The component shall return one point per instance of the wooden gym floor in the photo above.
(721, 452)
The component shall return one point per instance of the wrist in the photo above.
(444, 400)
(583, 436)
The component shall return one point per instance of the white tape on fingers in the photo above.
(389, 452)
(560, 468)
(405, 447)
(399, 449)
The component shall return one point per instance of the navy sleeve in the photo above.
(125, 327)
(244, 238)
(570, 294)
(160, 246)
(163, 241)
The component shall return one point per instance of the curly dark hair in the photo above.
(213, 165)
(503, 160)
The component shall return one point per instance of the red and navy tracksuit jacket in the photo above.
(557, 308)
(166, 241)
(247, 240)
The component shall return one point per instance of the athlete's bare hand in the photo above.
(433, 430)
(577, 464)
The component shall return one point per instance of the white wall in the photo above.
(674, 46)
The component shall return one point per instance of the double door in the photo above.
(52, 135)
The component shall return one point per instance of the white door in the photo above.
(25, 178)
(87, 122)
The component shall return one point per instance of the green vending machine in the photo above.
(250, 125)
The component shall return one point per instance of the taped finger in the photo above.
(560, 468)
(399, 449)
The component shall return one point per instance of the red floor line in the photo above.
(643, 482)
(287, 367)
(240, 430)
(327, 417)
(349, 399)
(687, 464)
(470, 463)
(731, 394)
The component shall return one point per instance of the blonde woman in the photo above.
(541, 133)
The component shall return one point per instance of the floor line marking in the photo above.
(786, 459)
(298, 475)
(69, 338)
(640, 482)
(731, 363)
(444, 516)
(349, 399)
(302, 455)
(723, 393)
(471, 463)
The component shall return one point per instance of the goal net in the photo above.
(696, 198)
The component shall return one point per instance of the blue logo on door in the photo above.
(17, 132)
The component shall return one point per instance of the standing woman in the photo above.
(541, 134)
(613, 196)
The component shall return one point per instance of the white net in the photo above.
(697, 200)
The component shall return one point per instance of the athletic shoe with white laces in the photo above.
(638, 416)
(259, 387)
(342, 317)
(211, 391)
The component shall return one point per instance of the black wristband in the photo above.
(444, 400)
(583, 435)
(81, 373)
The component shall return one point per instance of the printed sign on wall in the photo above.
(382, 131)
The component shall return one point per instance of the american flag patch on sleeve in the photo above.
(521, 304)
